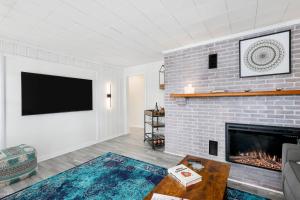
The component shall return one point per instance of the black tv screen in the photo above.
(43, 94)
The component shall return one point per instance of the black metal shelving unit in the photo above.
(153, 120)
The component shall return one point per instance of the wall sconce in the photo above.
(189, 89)
(162, 77)
(108, 95)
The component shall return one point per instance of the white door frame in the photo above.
(126, 96)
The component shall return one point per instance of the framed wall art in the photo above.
(266, 55)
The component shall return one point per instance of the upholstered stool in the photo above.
(17, 163)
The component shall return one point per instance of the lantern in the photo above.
(162, 77)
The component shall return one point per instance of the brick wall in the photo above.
(190, 126)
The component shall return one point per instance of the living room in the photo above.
(110, 99)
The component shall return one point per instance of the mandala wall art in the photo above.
(266, 55)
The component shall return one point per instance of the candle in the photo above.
(189, 89)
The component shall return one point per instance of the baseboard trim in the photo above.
(136, 126)
(68, 150)
(175, 154)
(76, 147)
(111, 137)
(215, 158)
(256, 186)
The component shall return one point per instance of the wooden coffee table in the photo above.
(212, 187)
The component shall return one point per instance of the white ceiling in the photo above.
(131, 32)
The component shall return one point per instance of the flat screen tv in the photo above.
(43, 94)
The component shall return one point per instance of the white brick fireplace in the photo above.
(190, 126)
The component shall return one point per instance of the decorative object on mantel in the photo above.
(189, 89)
(266, 55)
(279, 89)
(238, 94)
(161, 74)
(212, 61)
(247, 90)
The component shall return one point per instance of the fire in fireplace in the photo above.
(258, 145)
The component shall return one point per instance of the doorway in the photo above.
(136, 103)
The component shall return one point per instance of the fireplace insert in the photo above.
(258, 145)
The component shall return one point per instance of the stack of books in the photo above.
(184, 175)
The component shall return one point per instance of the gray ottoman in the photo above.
(17, 163)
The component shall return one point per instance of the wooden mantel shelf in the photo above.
(238, 94)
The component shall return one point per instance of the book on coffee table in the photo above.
(184, 175)
(157, 196)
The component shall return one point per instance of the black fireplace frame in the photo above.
(280, 130)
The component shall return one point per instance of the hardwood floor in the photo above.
(130, 145)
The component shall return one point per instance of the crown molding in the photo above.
(236, 35)
(14, 45)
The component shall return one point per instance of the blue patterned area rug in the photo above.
(234, 194)
(107, 177)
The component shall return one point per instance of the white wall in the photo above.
(55, 134)
(48, 133)
(136, 101)
(111, 121)
(150, 72)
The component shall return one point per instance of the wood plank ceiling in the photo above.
(130, 32)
